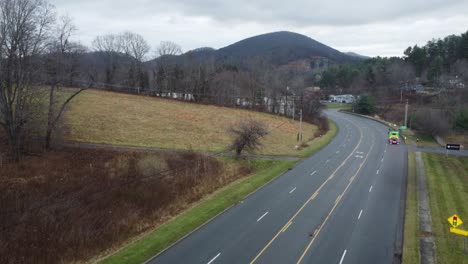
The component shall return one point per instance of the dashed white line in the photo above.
(370, 189)
(377, 172)
(381, 160)
(258, 220)
(213, 259)
(293, 190)
(313, 173)
(327, 161)
(337, 151)
(360, 213)
(342, 257)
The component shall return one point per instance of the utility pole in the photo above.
(300, 126)
(406, 113)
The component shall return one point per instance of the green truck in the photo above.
(393, 137)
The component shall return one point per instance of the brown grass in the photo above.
(72, 204)
(123, 119)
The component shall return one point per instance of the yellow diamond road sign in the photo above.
(455, 221)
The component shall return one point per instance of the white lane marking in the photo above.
(358, 152)
(370, 189)
(292, 190)
(327, 161)
(342, 257)
(337, 151)
(258, 220)
(381, 160)
(360, 213)
(313, 173)
(377, 171)
(214, 258)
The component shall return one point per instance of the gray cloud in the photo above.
(369, 27)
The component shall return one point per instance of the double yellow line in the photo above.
(336, 203)
(288, 223)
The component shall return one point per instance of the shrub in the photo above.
(461, 119)
(366, 105)
(247, 135)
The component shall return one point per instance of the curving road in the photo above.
(342, 205)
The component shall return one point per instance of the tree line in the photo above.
(433, 78)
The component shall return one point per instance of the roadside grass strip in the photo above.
(320, 142)
(448, 192)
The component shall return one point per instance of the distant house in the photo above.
(312, 89)
(409, 87)
(344, 98)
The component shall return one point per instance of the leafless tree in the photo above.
(59, 51)
(165, 72)
(433, 122)
(168, 48)
(247, 135)
(110, 46)
(24, 25)
(136, 47)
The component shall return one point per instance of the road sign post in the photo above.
(455, 222)
(451, 147)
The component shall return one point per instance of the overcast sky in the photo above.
(368, 27)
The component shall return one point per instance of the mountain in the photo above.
(278, 48)
(354, 54)
(281, 48)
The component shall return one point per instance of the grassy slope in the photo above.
(448, 187)
(122, 119)
(338, 106)
(168, 233)
(411, 236)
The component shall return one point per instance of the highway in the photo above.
(342, 205)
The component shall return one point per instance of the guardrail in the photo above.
(388, 124)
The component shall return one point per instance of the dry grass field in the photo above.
(123, 119)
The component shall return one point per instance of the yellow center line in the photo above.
(311, 198)
(333, 209)
(286, 227)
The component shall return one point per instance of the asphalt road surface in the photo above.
(342, 205)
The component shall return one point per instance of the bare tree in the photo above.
(168, 48)
(136, 47)
(165, 72)
(59, 50)
(247, 135)
(110, 46)
(24, 26)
